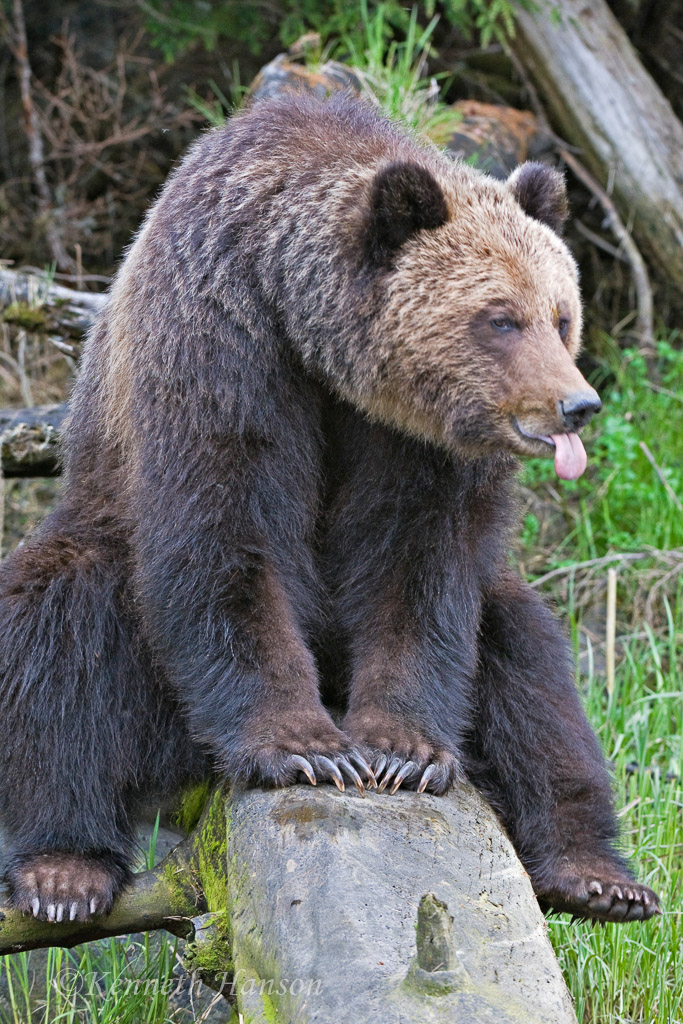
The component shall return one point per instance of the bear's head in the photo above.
(480, 319)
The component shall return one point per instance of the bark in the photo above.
(602, 100)
(30, 441)
(324, 907)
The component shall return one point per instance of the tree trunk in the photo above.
(326, 907)
(601, 99)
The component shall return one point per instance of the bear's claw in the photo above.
(318, 767)
(601, 900)
(436, 775)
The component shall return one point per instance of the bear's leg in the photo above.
(537, 760)
(398, 559)
(230, 598)
(84, 722)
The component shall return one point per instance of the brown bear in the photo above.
(288, 477)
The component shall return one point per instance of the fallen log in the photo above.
(601, 99)
(30, 440)
(30, 301)
(323, 907)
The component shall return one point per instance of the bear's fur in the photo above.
(288, 484)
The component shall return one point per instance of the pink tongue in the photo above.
(570, 456)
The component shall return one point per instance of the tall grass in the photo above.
(623, 507)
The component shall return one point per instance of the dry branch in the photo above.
(29, 440)
(19, 45)
(37, 304)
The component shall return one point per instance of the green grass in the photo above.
(631, 973)
(622, 504)
(625, 974)
(113, 982)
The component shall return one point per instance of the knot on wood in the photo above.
(436, 970)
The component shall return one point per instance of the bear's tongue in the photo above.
(570, 456)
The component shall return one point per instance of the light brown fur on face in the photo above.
(490, 260)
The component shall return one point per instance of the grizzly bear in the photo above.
(288, 489)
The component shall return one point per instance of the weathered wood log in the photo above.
(328, 907)
(601, 99)
(29, 440)
(30, 301)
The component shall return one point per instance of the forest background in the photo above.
(98, 101)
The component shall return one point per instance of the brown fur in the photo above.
(287, 487)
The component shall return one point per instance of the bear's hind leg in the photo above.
(537, 760)
(78, 717)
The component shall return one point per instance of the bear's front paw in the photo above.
(290, 752)
(401, 756)
(64, 887)
(596, 896)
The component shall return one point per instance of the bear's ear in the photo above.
(404, 198)
(541, 192)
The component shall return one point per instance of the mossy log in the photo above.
(601, 99)
(30, 301)
(309, 905)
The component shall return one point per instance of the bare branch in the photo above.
(35, 139)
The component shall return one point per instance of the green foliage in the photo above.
(630, 973)
(393, 74)
(177, 26)
(622, 504)
(108, 982)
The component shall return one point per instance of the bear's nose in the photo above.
(577, 409)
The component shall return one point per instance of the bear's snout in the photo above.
(579, 408)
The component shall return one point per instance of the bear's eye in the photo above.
(503, 323)
(563, 327)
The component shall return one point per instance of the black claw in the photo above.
(379, 766)
(427, 774)
(361, 763)
(347, 767)
(393, 767)
(332, 770)
(304, 766)
(403, 774)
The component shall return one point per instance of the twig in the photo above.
(19, 47)
(565, 570)
(611, 628)
(599, 241)
(667, 486)
(644, 320)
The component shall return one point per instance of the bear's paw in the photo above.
(63, 887)
(400, 755)
(600, 898)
